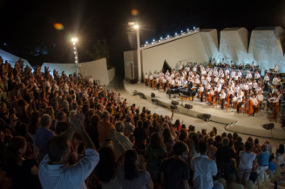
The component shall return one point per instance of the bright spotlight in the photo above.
(136, 26)
(153, 40)
(160, 37)
(187, 29)
(181, 31)
(146, 42)
(74, 40)
(167, 36)
(175, 33)
(194, 28)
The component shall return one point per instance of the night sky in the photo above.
(27, 23)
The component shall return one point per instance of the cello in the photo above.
(250, 107)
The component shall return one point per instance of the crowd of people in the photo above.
(232, 85)
(69, 132)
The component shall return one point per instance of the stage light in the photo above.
(74, 48)
(74, 52)
(76, 57)
(167, 36)
(175, 33)
(153, 40)
(181, 31)
(187, 29)
(160, 37)
(136, 26)
(194, 28)
(146, 42)
(58, 26)
(74, 40)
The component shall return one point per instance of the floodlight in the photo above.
(74, 40)
(136, 26)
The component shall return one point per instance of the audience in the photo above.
(50, 126)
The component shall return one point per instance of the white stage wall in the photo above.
(97, 69)
(265, 47)
(187, 49)
(12, 59)
(130, 58)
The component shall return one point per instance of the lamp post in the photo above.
(135, 26)
(76, 60)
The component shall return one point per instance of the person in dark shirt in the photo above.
(223, 156)
(175, 171)
(140, 135)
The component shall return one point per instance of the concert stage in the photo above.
(234, 122)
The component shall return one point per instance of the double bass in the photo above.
(249, 109)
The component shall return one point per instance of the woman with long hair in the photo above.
(155, 153)
(129, 174)
(106, 170)
(168, 140)
(24, 172)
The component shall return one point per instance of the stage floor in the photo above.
(234, 122)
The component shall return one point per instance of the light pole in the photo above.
(136, 26)
(76, 60)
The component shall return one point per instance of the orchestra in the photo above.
(232, 86)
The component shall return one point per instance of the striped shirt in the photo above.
(263, 158)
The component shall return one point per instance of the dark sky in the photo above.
(30, 22)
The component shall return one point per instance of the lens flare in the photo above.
(58, 26)
(135, 12)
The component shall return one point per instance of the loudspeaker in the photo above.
(152, 95)
(206, 117)
(173, 107)
(133, 81)
(154, 101)
(268, 126)
(173, 102)
(188, 106)
(142, 95)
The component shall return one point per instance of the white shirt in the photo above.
(204, 170)
(259, 97)
(257, 76)
(223, 95)
(276, 68)
(254, 100)
(246, 159)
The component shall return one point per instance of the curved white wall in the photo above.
(12, 59)
(97, 69)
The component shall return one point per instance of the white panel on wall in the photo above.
(211, 43)
(266, 47)
(12, 59)
(188, 49)
(130, 61)
(233, 46)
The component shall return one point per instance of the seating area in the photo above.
(54, 124)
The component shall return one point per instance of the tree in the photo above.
(99, 50)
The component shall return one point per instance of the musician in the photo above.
(164, 81)
(157, 82)
(203, 72)
(210, 73)
(150, 77)
(208, 69)
(167, 73)
(254, 85)
(240, 67)
(172, 74)
(214, 61)
(280, 95)
(180, 66)
(222, 98)
(249, 75)
(146, 78)
(216, 79)
(194, 69)
(184, 73)
(227, 71)
(255, 102)
(239, 74)
(258, 89)
(161, 74)
(246, 88)
(252, 64)
(208, 78)
(201, 92)
(239, 101)
(230, 91)
(223, 61)
(266, 81)
(197, 81)
(275, 80)
(232, 64)
(233, 74)
(190, 85)
(276, 69)
(236, 78)
(187, 68)
(259, 96)
(256, 75)
(215, 73)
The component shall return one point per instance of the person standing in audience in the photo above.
(104, 126)
(54, 171)
(204, 169)
(130, 176)
(175, 171)
(262, 160)
(223, 157)
(246, 159)
(43, 135)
